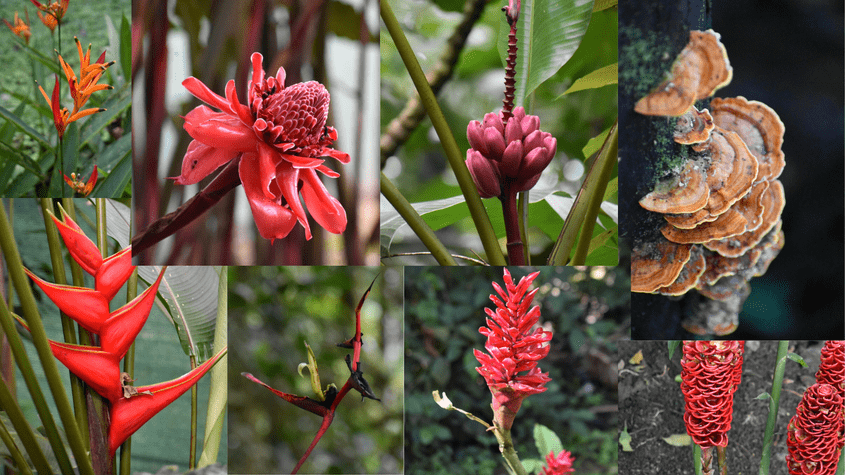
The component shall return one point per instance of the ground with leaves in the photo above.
(651, 407)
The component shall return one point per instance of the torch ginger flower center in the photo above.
(513, 348)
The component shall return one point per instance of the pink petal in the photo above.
(200, 160)
(287, 177)
(273, 220)
(257, 69)
(203, 93)
(267, 159)
(241, 110)
(511, 159)
(324, 208)
(302, 162)
(223, 133)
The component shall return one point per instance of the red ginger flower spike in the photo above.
(815, 434)
(513, 348)
(508, 158)
(560, 465)
(281, 135)
(710, 374)
(832, 367)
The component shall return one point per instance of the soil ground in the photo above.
(651, 405)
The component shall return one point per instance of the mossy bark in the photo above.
(651, 34)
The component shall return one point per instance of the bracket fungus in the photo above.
(722, 207)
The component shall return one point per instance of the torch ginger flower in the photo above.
(710, 374)
(513, 348)
(815, 434)
(560, 465)
(281, 135)
(99, 366)
(19, 27)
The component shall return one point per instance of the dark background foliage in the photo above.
(586, 308)
(273, 311)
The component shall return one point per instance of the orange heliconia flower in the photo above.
(82, 187)
(20, 27)
(53, 13)
(81, 88)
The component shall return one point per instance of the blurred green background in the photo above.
(158, 354)
(588, 311)
(273, 311)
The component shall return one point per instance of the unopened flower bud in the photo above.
(484, 174)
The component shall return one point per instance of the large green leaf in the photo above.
(548, 34)
(125, 48)
(115, 105)
(599, 78)
(23, 126)
(7, 152)
(546, 440)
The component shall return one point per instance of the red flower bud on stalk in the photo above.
(512, 348)
(815, 434)
(832, 366)
(560, 464)
(710, 374)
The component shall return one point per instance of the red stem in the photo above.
(510, 69)
(327, 421)
(516, 254)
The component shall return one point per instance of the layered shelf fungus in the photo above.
(722, 206)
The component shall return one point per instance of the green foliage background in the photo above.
(273, 312)
(587, 309)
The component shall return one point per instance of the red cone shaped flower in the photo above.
(114, 272)
(513, 348)
(560, 465)
(87, 307)
(129, 414)
(99, 369)
(832, 367)
(515, 152)
(710, 374)
(815, 434)
(122, 326)
(281, 135)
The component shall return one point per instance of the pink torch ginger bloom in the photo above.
(508, 157)
(560, 465)
(281, 135)
(513, 348)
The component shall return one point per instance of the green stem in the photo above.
(450, 147)
(42, 346)
(192, 457)
(696, 458)
(129, 367)
(217, 393)
(415, 221)
(25, 432)
(777, 383)
(508, 450)
(17, 456)
(592, 189)
(840, 470)
(723, 465)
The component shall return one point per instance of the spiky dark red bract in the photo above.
(815, 434)
(710, 374)
(513, 348)
(560, 464)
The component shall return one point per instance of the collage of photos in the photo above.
(424, 237)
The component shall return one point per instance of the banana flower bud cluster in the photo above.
(508, 156)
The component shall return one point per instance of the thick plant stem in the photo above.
(129, 368)
(450, 146)
(516, 256)
(723, 465)
(522, 210)
(192, 446)
(777, 383)
(592, 189)
(507, 449)
(39, 338)
(696, 458)
(707, 460)
(415, 221)
(17, 456)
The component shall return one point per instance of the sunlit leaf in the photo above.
(625, 439)
(599, 78)
(678, 440)
(546, 440)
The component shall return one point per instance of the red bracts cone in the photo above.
(710, 374)
(513, 348)
(129, 414)
(832, 367)
(560, 465)
(815, 434)
(82, 249)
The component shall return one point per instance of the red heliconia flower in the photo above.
(815, 434)
(513, 348)
(508, 155)
(710, 374)
(128, 414)
(281, 135)
(560, 465)
(832, 367)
